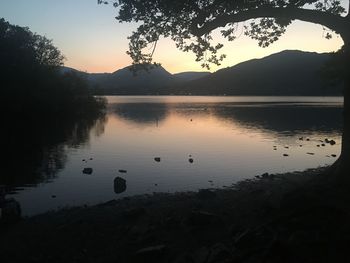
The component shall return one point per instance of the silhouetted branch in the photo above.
(336, 23)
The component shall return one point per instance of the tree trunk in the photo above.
(341, 167)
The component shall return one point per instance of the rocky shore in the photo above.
(292, 217)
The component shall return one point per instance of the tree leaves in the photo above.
(179, 19)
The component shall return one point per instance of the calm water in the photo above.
(229, 139)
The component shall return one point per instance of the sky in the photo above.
(92, 40)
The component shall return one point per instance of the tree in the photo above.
(190, 23)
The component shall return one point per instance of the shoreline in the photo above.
(252, 221)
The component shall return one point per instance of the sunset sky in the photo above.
(92, 40)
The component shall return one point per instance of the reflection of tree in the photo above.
(289, 119)
(35, 149)
(142, 113)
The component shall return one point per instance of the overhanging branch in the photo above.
(333, 22)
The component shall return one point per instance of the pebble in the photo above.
(87, 170)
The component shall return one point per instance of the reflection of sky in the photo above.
(227, 144)
(93, 41)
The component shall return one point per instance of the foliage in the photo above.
(32, 81)
(190, 22)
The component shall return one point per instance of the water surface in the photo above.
(228, 138)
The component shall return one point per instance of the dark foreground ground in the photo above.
(294, 217)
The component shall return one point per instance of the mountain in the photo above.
(191, 75)
(286, 73)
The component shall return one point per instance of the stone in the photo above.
(87, 170)
(265, 175)
(219, 253)
(332, 142)
(153, 250)
(206, 194)
(119, 185)
(134, 213)
(310, 153)
(333, 155)
(157, 159)
(122, 171)
(285, 155)
(202, 218)
(190, 160)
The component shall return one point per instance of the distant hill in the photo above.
(191, 75)
(289, 72)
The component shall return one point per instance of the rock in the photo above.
(122, 171)
(10, 211)
(265, 175)
(332, 142)
(91, 159)
(301, 138)
(219, 253)
(285, 155)
(323, 144)
(119, 185)
(333, 155)
(202, 218)
(87, 171)
(206, 194)
(201, 255)
(134, 213)
(83, 160)
(53, 196)
(190, 160)
(157, 159)
(153, 250)
(318, 145)
(300, 145)
(308, 139)
(310, 153)
(286, 147)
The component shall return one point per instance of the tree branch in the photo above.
(333, 22)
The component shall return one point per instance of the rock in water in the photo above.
(119, 185)
(87, 171)
(157, 159)
(123, 171)
(190, 160)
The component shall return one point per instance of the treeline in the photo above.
(32, 82)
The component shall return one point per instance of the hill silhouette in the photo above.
(287, 73)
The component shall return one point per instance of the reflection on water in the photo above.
(150, 140)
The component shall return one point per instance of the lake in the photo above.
(202, 142)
